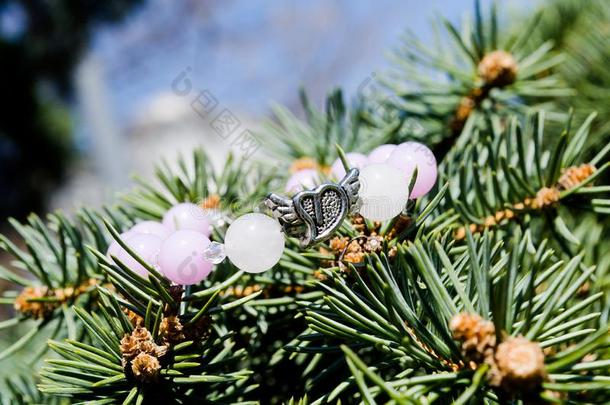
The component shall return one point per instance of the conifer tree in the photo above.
(490, 289)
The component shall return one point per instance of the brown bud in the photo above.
(460, 233)
(354, 247)
(134, 319)
(467, 104)
(318, 275)
(374, 243)
(145, 367)
(547, 196)
(519, 365)
(359, 223)
(478, 336)
(171, 330)
(130, 347)
(490, 221)
(354, 257)
(149, 347)
(141, 334)
(303, 164)
(34, 309)
(64, 294)
(338, 244)
(498, 68)
(499, 216)
(573, 176)
(211, 202)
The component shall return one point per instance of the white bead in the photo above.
(254, 243)
(384, 191)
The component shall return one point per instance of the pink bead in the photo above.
(181, 257)
(151, 228)
(145, 245)
(410, 155)
(114, 248)
(357, 160)
(381, 153)
(187, 216)
(302, 180)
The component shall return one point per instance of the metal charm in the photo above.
(313, 216)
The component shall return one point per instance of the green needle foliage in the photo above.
(491, 289)
(401, 309)
(56, 271)
(354, 129)
(471, 69)
(195, 180)
(516, 169)
(580, 30)
(188, 366)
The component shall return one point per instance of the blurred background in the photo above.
(95, 91)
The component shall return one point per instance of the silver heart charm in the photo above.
(313, 216)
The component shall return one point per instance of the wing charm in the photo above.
(313, 216)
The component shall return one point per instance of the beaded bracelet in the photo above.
(376, 187)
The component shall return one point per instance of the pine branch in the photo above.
(405, 308)
(578, 29)
(59, 271)
(146, 345)
(475, 68)
(485, 291)
(515, 175)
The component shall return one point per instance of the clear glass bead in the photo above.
(215, 252)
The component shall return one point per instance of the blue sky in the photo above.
(249, 53)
